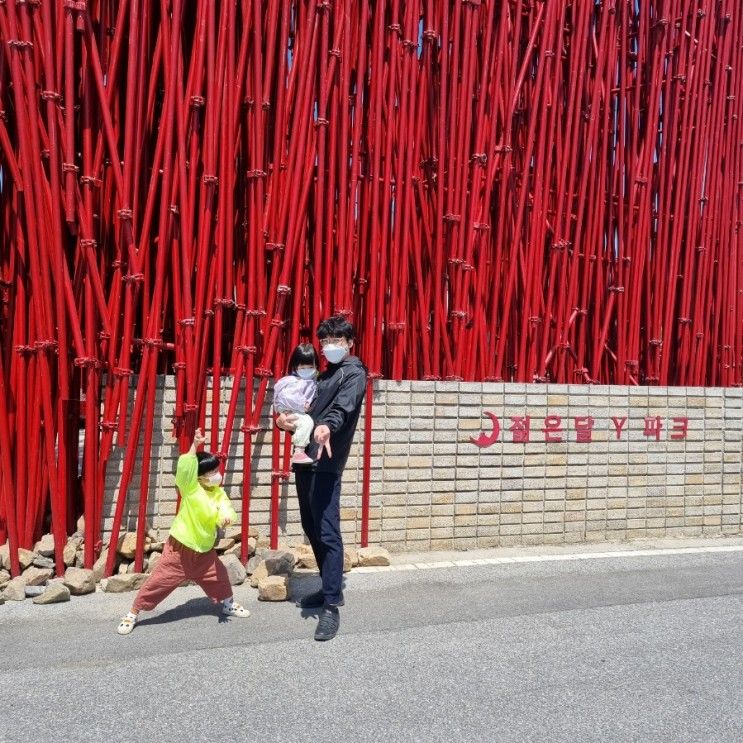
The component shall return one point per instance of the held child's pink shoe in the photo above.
(300, 457)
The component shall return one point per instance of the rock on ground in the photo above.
(234, 550)
(123, 583)
(253, 563)
(235, 569)
(259, 573)
(279, 562)
(348, 560)
(233, 532)
(45, 546)
(224, 544)
(37, 576)
(100, 565)
(145, 565)
(305, 556)
(15, 590)
(127, 546)
(55, 593)
(79, 581)
(373, 556)
(273, 588)
(26, 558)
(70, 551)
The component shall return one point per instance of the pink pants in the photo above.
(180, 563)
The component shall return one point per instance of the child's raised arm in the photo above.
(198, 440)
(187, 471)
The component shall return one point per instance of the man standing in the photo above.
(335, 411)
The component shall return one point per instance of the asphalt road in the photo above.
(620, 649)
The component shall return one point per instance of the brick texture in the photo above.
(432, 488)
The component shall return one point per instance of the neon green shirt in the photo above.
(201, 511)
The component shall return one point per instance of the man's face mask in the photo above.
(212, 479)
(334, 352)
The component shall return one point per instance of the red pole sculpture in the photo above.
(521, 191)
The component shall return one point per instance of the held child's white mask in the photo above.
(212, 480)
(334, 353)
(306, 373)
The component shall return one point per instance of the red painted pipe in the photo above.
(489, 191)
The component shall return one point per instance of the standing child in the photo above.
(294, 394)
(189, 552)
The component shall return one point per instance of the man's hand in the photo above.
(286, 421)
(322, 437)
(225, 522)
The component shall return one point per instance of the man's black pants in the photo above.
(319, 496)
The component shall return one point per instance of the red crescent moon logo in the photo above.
(488, 439)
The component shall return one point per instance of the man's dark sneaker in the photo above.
(317, 599)
(327, 627)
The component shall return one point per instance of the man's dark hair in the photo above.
(303, 354)
(336, 327)
(207, 462)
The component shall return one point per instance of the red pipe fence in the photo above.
(530, 190)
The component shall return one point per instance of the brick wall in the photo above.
(432, 488)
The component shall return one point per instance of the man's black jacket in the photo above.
(340, 394)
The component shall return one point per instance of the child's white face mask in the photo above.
(212, 480)
(306, 373)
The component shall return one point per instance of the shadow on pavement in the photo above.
(195, 607)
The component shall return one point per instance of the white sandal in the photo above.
(126, 625)
(235, 610)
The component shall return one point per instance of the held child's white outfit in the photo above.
(293, 394)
